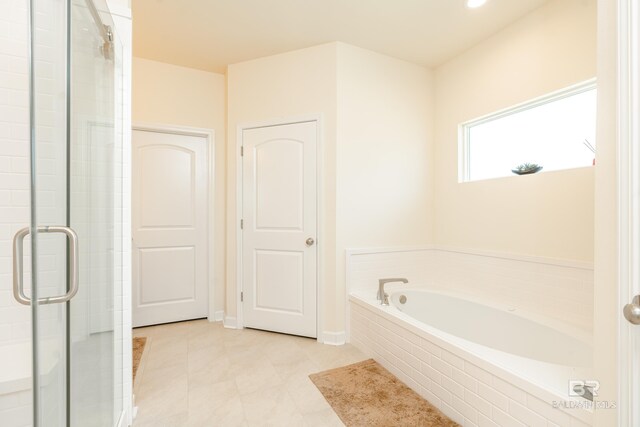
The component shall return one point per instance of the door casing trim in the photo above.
(628, 164)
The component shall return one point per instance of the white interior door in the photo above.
(169, 203)
(278, 237)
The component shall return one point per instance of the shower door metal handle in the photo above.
(18, 244)
(632, 311)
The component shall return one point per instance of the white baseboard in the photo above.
(218, 316)
(334, 338)
(134, 410)
(230, 322)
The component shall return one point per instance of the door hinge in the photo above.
(242, 224)
(241, 296)
(242, 150)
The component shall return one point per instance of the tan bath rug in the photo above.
(138, 349)
(366, 394)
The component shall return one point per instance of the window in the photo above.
(556, 132)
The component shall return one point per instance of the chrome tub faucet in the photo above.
(383, 297)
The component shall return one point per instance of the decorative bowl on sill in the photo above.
(526, 169)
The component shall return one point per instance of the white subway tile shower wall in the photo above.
(15, 325)
(554, 288)
(15, 156)
(466, 393)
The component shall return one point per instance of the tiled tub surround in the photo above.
(473, 384)
(559, 289)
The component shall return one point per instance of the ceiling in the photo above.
(210, 34)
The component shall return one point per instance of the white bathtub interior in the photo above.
(502, 328)
(549, 364)
(556, 289)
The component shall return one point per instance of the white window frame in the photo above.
(464, 157)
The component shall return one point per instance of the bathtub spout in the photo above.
(383, 297)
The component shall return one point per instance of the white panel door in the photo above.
(169, 203)
(278, 237)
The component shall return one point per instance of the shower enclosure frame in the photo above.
(107, 143)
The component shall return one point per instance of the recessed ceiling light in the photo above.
(472, 4)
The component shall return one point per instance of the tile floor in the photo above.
(199, 374)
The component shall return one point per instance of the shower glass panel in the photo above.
(76, 169)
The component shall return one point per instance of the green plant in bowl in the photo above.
(526, 168)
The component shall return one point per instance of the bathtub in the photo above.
(480, 363)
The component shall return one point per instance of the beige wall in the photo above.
(549, 214)
(384, 157)
(375, 150)
(166, 94)
(390, 157)
(282, 86)
(374, 145)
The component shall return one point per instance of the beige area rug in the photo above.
(138, 349)
(366, 394)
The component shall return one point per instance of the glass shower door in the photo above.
(69, 259)
(95, 213)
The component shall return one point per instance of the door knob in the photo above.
(310, 241)
(632, 311)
